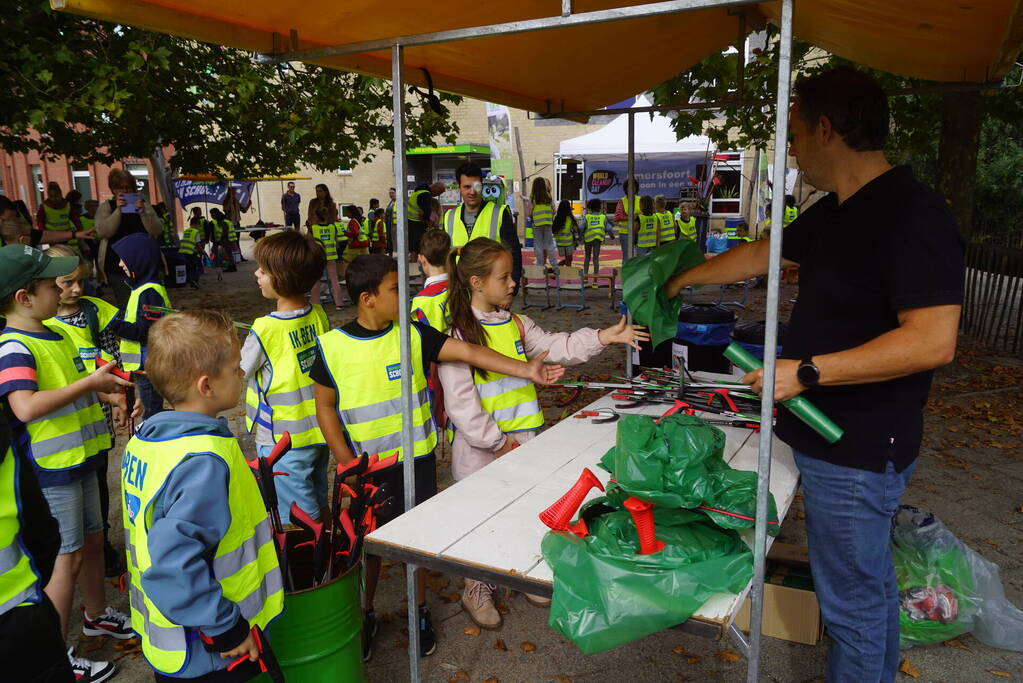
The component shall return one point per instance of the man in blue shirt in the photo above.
(290, 201)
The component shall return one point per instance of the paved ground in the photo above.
(970, 474)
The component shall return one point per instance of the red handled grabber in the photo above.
(643, 517)
(303, 519)
(263, 469)
(129, 392)
(267, 661)
(558, 515)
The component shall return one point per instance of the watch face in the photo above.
(808, 374)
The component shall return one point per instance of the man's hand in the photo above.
(102, 381)
(786, 385)
(623, 333)
(543, 374)
(509, 445)
(248, 647)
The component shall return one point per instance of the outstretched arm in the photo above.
(488, 359)
(739, 263)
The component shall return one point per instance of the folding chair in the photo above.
(580, 284)
(535, 277)
(741, 303)
(604, 280)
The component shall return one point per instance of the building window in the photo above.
(37, 182)
(141, 174)
(82, 183)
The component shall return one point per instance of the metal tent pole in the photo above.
(630, 196)
(770, 341)
(401, 244)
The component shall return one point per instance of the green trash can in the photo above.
(318, 636)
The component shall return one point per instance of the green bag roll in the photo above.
(643, 280)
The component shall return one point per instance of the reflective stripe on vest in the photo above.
(131, 351)
(543, 215)
(623, 224)
(169, 232)
(488, 224)
(431, 306)
(367, 374)
(564, 237)
(190, 239)
(68, 436)
(81, 337)
(287, 403)
(511, 401)
(19, 582)
(228, 227)
(791, 214)
(244, 562)
(596, 227)
(327, 236)
(667, 222)
(57, 219)
(412, 210)
(647, 236)
(688, 227)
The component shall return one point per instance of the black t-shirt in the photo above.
(891, 246)
(430, 343)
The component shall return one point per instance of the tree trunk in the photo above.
(961, 117)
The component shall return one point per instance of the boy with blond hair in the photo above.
(202, 568)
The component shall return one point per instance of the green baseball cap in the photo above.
(20, 264)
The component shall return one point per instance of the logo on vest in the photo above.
(132, 504)
(79, 365)
(518, 347)
(87, 353)
(306, 359)
(393, 372)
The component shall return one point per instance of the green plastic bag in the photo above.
(643, 280)
(605, 595)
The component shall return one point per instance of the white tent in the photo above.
(655, 139)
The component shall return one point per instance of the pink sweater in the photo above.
(477, 435)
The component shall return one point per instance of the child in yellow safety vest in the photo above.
(57, 420)
(190, 248)
(595, 229)
(648, 235)
(430, 305)
(492, 413)
(277, 356)
(202, 568)
(565, 229)
(377, 232)
(326, 232)
(358, 373)
(665, 220)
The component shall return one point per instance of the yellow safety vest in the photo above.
(564, 237)
(623, 225)
(543, 215)
(57, 219)
(82, 337)
(132, 354)
(367, 374)
(286, 404)
(488, 224)
(647, 235)
(430, 306)
(596, 227)
(327, 235)
(412, 210)
(244, 563)
(169, 232)
(229, 228)
(791, 214)
(511, 401)
(70, 435)
(19, 580)
(190, 240)
(688, 228)
(667, 222)
(87, 222)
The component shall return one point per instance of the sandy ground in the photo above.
(970, 474)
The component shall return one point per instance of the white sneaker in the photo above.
(88, 671)
(111, 623)
(478, 603)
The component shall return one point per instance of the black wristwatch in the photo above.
(808, 374)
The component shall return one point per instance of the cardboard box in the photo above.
(791, 611)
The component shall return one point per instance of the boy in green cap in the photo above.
(59, 427)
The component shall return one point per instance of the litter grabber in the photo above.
(263, 469)
(560, 513)
(267, 661)
(304, 520)
(677, 406)
(127, 391)
(601, 416)
(643, 517)
(157, 312)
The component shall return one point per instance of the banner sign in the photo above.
(605, 180)
(499, 132)
(208, 192)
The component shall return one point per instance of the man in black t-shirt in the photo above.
(881, 287)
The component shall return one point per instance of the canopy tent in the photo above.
(558, 69)
(654, 139)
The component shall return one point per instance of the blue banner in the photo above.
(208, 192)
(605, 180)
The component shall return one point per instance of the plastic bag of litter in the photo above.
(946, 589)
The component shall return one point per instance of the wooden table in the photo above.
(486, 527)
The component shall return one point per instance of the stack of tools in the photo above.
(157, 312)
(128, 392)
(315, 551)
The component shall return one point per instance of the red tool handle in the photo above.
(379, 464)
(116, 372)
(679, 406)
(282, 446)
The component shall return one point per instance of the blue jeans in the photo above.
(848, 523)
(76, 508)
(306, 483)
(623, 238)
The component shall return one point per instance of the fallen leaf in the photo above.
(471, 630)
(491, 680)
(907, 667)
(501, 609)
(727, 656)
(563, 679)
(450, 597)
(499, 645)
(1019, 509)
(461, 676)
(956, 644)
(996, 672)
(692, 659)
(678, 649)
(527, 646)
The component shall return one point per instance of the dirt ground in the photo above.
(970, 474)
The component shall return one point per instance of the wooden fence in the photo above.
(993, 307)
